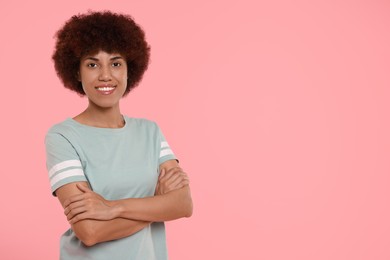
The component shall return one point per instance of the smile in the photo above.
(106, 90)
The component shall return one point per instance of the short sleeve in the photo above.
(62, 162)
(166, 152)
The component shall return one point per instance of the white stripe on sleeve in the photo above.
(66, 174)
(164, 144)
(165, 152)
(64, 165)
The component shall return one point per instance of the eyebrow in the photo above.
(96, 59)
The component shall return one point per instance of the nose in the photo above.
(105, 74)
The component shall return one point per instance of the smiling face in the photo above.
(104, 78)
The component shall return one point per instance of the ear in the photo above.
(78, 76)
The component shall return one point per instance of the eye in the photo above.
(116, 64)
(92, 65)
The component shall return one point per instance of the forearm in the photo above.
(91, 231)
(173, 205)
(134, 214)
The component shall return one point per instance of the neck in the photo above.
(101, 117)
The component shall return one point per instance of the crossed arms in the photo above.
(95, 219)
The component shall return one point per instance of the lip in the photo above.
(105, 89)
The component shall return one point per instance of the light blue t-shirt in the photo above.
(117, 163)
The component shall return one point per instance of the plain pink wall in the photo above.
(278, 110)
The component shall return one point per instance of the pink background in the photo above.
(278, 110)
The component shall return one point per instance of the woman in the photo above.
(115, 176)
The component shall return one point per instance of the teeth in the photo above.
(105, 88)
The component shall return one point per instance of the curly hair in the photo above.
(87, 34)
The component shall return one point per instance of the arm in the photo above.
(164, 207)
(170, 206)
(176, 203)
(91, 231)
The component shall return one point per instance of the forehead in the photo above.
(102, 55)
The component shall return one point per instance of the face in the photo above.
(104, 78)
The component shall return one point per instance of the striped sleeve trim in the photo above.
(165, 149)
(66, 174)
(164, 144)
(63, 165)
(165, 152)
(65, 170)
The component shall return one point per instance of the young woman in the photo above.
(115, 176)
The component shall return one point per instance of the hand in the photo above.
(173, 179)
(88, 205)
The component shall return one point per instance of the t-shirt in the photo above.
(117, 163)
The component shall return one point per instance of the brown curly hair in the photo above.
(87, 34)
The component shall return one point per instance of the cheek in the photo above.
(87, 82)
(85, 76)
(123, 77)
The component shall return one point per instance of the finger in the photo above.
(182, 184)
(176, 182)
(184, 178)
(73, 199)
(171, 172)
(78, 217)
(83, 187)
(179, 182)
(74, 205)
(175, 169)
(178, 175)
(74, 212)
(162, 173)
(187, 179)
(174, 178)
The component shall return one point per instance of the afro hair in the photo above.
(87, 34)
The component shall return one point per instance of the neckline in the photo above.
(100, 129)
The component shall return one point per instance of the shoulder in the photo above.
(65, 130)
(62, 127)
(141, 123)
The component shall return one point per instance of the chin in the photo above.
(104, 105)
